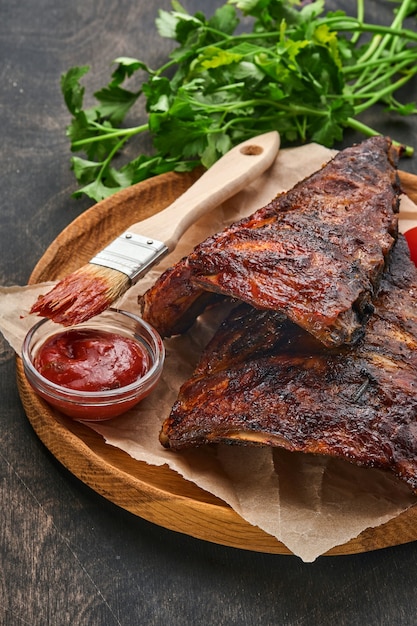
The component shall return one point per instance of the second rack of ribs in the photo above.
(264, 380)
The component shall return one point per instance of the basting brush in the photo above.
(109, 274)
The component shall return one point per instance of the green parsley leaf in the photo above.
(115, 102)
(72, 91)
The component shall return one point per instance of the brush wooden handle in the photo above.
(231, 173)
(409, 184)
(408, 210)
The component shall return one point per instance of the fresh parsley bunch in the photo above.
(300, 70)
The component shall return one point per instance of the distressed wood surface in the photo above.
(68, 555)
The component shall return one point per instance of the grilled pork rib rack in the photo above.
(264, 380)
(315, 253)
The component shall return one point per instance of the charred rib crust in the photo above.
(357, 402)
(315, 253)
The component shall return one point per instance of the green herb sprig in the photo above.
(300, 70)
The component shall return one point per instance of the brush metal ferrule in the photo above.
(131, 254)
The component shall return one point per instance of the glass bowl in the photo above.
(107, 403)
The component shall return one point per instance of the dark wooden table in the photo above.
(68, 556)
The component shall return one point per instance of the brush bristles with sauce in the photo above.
(99, 286)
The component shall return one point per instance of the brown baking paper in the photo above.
(309, 503)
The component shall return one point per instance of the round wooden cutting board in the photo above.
(156, 494)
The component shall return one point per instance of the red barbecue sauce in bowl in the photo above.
(91, 360)
(96, 370)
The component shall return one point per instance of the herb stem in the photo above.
(405, 55)
(110, 156)
(109, 133)
(390, 71)
(360, 16)
(352, 25)
(382, 93)
(355, 124)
